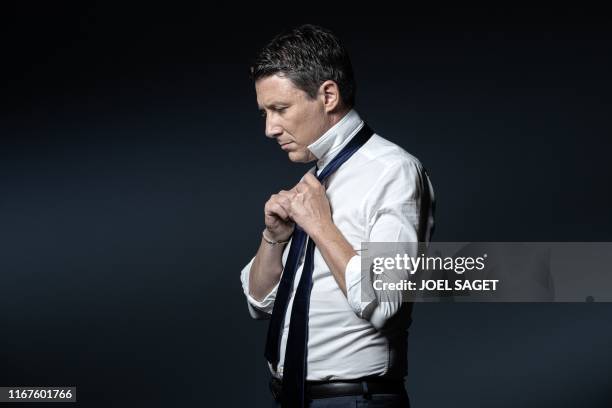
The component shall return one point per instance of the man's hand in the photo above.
(276, 216)
(309, 206)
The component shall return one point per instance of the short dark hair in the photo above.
(308, 55)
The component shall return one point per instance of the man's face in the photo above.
(292, 117)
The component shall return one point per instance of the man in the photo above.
(329, 347)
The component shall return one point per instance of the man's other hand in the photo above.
(309, 206)
(276, 216)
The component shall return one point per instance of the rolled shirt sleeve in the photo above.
(260, 309)
(399, 208)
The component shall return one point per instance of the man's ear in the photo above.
(331, 93)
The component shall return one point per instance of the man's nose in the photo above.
(272, 129)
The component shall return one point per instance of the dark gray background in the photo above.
(134, 169)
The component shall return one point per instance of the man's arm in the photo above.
(336, 251)
(308, 202)
(396, 210)
(399, 210)
(310, 208)
(266, 269)
(267, 266)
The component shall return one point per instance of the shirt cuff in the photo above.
(353, 279)
(264, 305)
(267, 303)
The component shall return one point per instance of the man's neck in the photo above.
(330, 141)
(336, 117)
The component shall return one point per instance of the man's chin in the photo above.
(296, 157)
(301, 157)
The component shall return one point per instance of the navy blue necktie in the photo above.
(294, 372)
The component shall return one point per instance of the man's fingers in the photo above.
(287, 194)
(276, 209)
(311, 181)
(285, 203)
(278, 205)
(283, 198)
(305, 185)
(310, 178)
(299, 188)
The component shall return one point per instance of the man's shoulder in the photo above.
(385, 154)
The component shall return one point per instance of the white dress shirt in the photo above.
(381, 194)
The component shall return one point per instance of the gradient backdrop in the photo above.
(134, 169)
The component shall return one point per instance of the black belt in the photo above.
(330, 389)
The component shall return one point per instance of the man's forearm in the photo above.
(336, 251)
(267, 265)
(266, 269)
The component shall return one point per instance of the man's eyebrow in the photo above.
(272, 105)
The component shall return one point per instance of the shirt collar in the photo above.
(332, 141)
